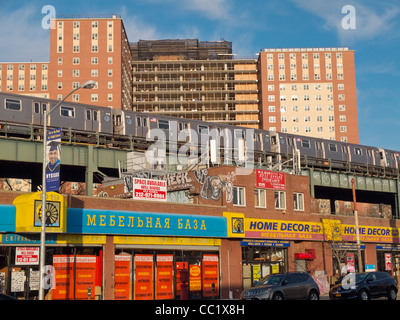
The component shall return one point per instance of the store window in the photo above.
(260, 261)
(156, 275)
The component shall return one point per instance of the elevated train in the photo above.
(27, 110)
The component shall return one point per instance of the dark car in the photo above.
(6, 297)
(365, 286)
(293, 285)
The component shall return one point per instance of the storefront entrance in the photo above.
(261, 260)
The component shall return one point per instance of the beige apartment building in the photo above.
(195, 80)
(309, 91)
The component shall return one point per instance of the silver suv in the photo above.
(293, 285)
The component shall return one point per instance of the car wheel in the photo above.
(313, 295)
(392, 294)
(277, 296)
(363, 295)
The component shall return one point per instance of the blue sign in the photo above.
(7, 218)
(15, 238)
(53, 160)
(93, 221)
(265, 243)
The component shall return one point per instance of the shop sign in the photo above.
(26, 256)
(270, 179)
(164, 277)
(350, 262)
(174, 241)
(91, 221)
(265, 243)
(143, 277)
(194, 277)
(29, 213)
(122, 288)
(210, 275)
(282, 229)
(370, 233)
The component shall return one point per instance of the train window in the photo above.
(44, 107)
(163, 124)
(358, 151)
(139, 121)
(332, 147)
(95, 116)
(12, 104)
(67, 112)
(305, 143)
(36, 107)
(239, 134)
(273, 140)
(203, 129)
(144, 122)
(345, 149)
(88, 115)
(118, 120)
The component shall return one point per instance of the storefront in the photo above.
(148, 252)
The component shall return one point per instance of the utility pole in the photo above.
(360, 266)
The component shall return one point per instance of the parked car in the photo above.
(6, 297)
(282, 286)
(365, 286)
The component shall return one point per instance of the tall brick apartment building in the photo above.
(309, 91)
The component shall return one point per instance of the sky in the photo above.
(371, 28)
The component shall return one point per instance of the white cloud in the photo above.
(213, 9)
(370, 23)
(22, 37)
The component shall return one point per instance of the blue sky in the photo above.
(251, 26)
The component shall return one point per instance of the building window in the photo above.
(298, 201)
(280, 200)
(260, 198)
(239, 196)
(95, 97)
(95, 60)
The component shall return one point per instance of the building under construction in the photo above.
(196, 80)
(181, 49)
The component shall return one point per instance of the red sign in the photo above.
(164, 277)
(194, 277)
(148, 189)
(179, 267)
(85, 277)
(144, 277)
(270, 180)
(350, 262)
(388, 261)
(26, 256)
(210, 275)
(122, 287)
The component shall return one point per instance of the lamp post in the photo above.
(360, 266)
(87, 85)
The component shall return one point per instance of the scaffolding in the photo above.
(181, 49)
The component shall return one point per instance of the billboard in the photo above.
(146, 189)
(270, 180)
(53, 160)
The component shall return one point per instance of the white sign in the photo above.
(148, 189)
(26, 256)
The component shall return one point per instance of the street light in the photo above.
(360, 266)
(87, 85)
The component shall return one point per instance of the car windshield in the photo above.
(270, 280)
(360, 276)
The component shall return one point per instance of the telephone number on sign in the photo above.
(149, 195)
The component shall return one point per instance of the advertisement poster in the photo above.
(270, 180)
(122, 287)
(350, 262)
(85, 273)
(179, 266)
(194, 278)
(53, 159)
(85, 276)
(164, 277)
(210, 275)
(144, 277)
(26, 256)
(64, 274)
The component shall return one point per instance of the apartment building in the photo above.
(195, 79)
(309, 91)
(92, 48)
(25, 78)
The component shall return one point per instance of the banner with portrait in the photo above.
(53, 160)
